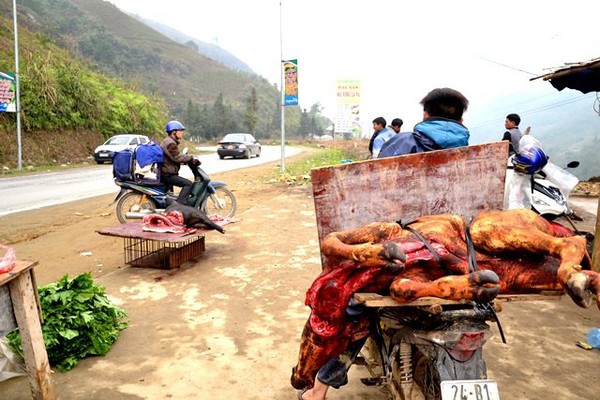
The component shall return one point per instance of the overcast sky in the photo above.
(399, 50)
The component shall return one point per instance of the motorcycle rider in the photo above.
(169, 173)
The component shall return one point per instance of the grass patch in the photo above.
(298, 172)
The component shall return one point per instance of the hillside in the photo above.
(119, 45)
(209, 50)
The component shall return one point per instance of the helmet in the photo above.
(174, 126)
(530, 160)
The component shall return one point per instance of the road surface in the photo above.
(29, 192)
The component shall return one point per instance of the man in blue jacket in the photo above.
(441, 127)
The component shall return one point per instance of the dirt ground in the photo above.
(228, 324)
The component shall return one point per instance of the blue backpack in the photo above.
(147, 160)
(141, 165)
(123, 165)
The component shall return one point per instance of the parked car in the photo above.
(238, 145)
(104, 152)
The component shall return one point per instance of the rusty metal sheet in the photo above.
(462, 181)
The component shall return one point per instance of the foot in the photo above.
(317, 392)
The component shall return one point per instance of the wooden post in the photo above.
(24, 294)
(596, 250)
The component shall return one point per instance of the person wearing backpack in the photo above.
(173, 158)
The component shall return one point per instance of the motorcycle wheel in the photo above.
(221, 203)
(426, 376)
(134, 202)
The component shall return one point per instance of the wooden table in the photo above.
(25, 304)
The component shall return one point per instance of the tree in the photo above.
(251, 117)
(223, 119)
(193, 120)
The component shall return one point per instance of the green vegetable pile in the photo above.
(79, 321)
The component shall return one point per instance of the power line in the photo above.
(536, 110)
(507, 66)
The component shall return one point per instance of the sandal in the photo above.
(301, 392)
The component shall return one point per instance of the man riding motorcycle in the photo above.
(173, 160)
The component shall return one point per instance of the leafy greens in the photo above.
(79, 321)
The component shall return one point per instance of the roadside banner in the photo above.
(7, 92)
(347, 120)
(290, 70)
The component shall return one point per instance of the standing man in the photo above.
(512, 134)
(441, 127)
(382, 134)
(169, 173)
(396, 125)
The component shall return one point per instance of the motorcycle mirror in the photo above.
(185, 150)
(573, 164)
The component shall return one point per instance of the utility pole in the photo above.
(18, 101)
(282, 88)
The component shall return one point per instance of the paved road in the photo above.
(29, 192)
(589, 204)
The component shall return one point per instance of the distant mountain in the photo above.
(206, 49)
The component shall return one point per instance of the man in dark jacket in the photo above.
(441, 127)
(169, 173)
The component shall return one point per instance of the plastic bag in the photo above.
(8, 259)
(517, 191)
(11, 364)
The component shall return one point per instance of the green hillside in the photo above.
(120, 46)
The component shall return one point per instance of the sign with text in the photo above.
(347, 118)
(290, 70)
(7, 92)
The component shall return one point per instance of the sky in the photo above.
(399, 50)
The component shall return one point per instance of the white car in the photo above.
(104, 152)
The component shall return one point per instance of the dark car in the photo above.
(238, 145)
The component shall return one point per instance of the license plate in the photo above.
(483, 389)
(230, 147)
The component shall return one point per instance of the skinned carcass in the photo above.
(515, 252)
(194, 217)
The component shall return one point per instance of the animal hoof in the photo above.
(577, 288)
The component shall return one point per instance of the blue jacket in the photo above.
(434, 133)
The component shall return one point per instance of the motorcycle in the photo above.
(550, 189)
(431, 352)
(136, 200)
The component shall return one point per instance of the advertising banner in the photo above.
(347, 120)
(290, 70)
(7, 92)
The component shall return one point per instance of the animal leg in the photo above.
(482, 286)
(315, 351)
(524, 232)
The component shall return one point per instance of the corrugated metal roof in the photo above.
(583, 76)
